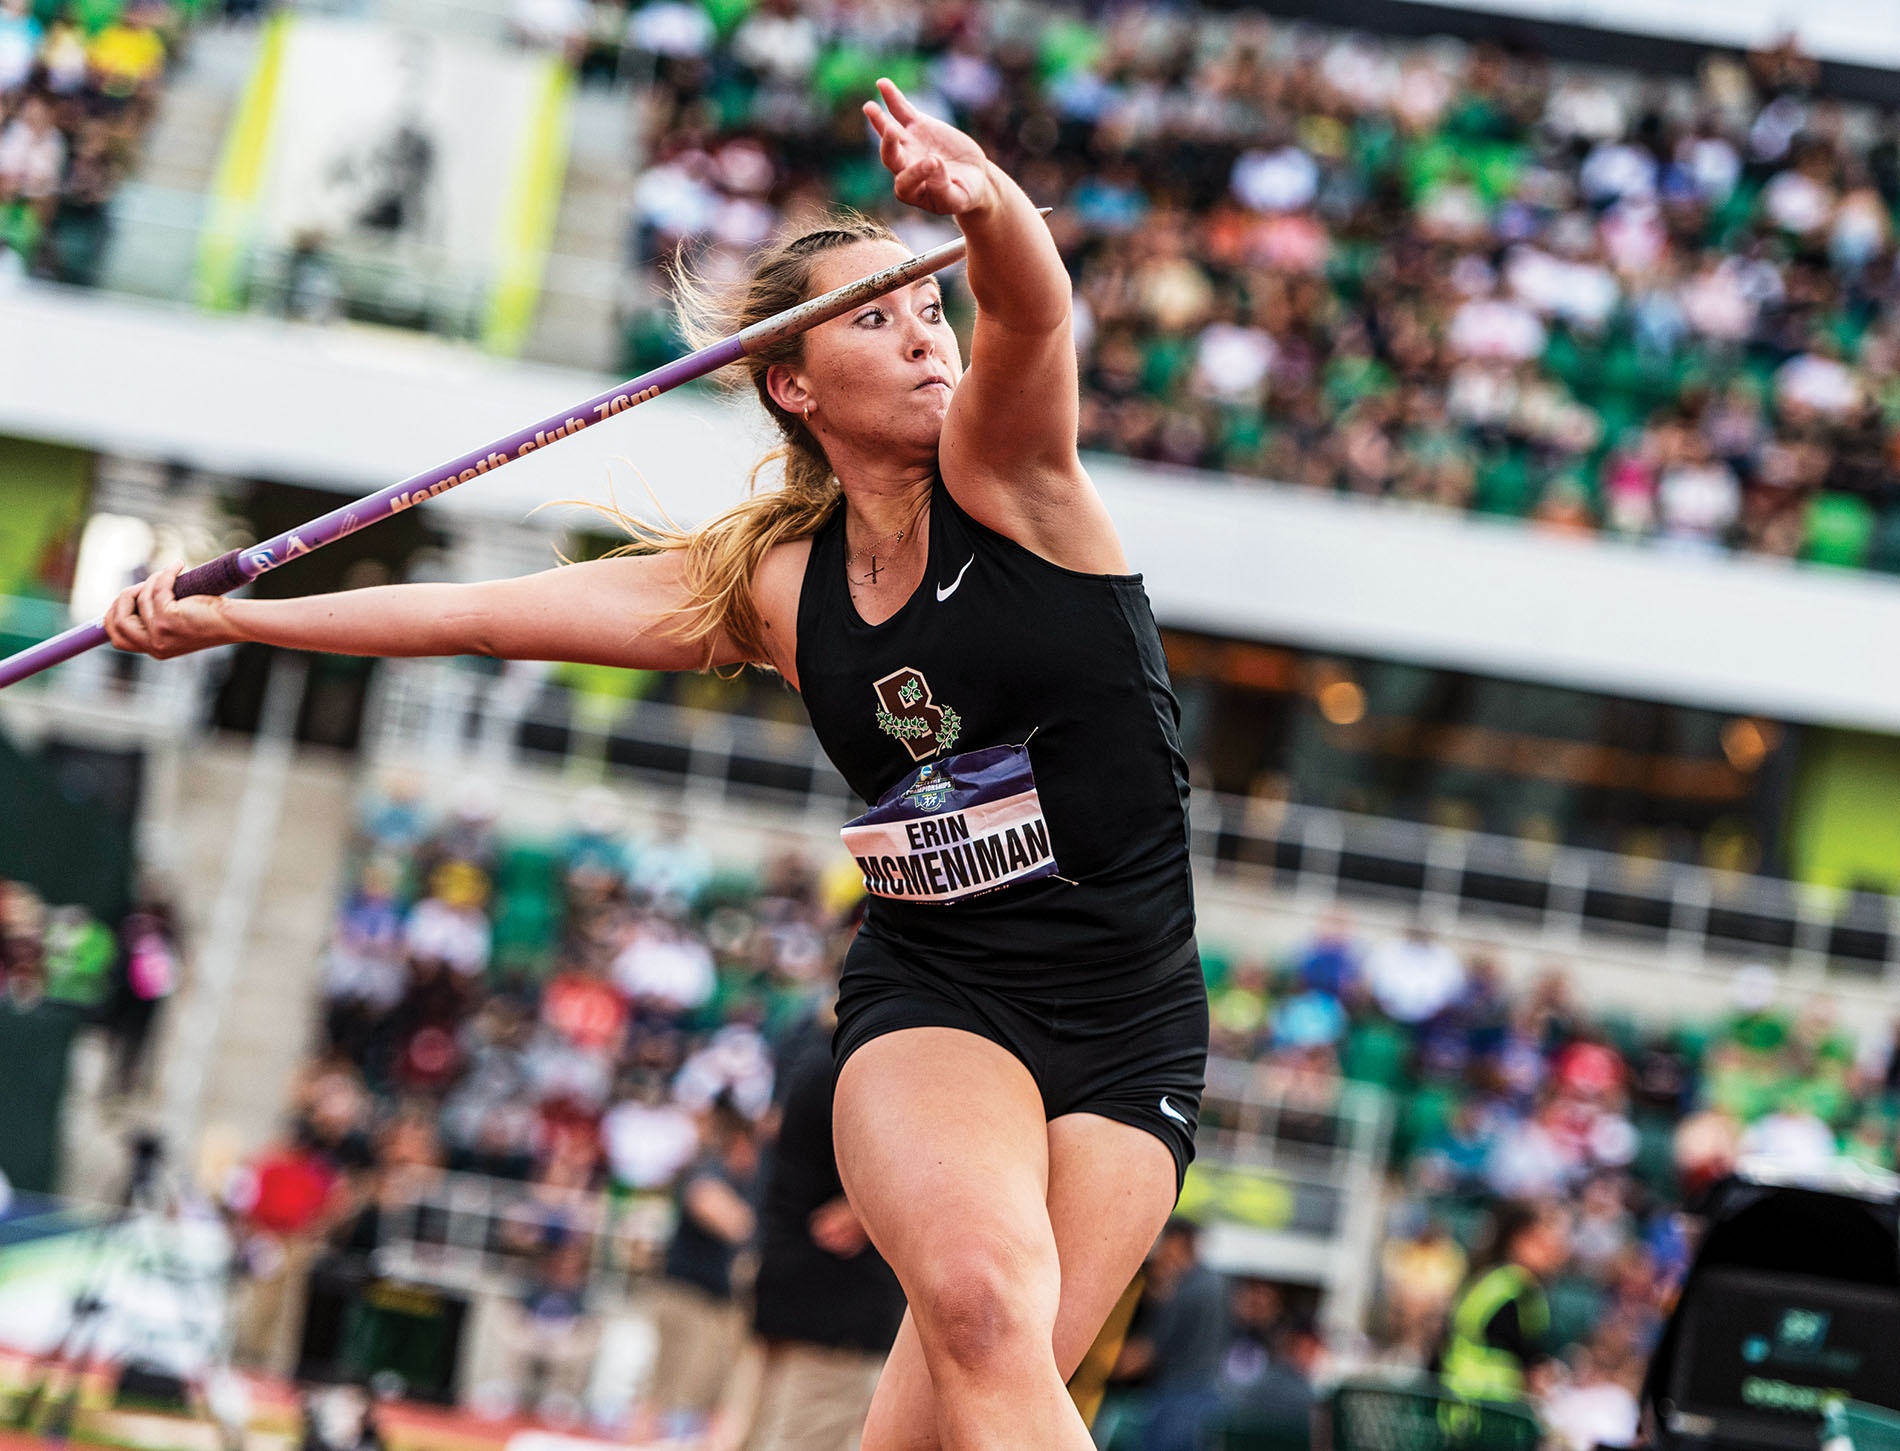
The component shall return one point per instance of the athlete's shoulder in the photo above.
(1055, 514)
(777, 584)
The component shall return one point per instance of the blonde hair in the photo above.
(723, 553)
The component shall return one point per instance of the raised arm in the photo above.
(1008, 451)
(626, 612)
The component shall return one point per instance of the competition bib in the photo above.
(967, 824)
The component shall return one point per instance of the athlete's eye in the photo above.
(933, 311)
(875, 314)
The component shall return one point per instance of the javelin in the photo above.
(238, 567)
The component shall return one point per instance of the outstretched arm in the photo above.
(1008, 450)
(626, 612)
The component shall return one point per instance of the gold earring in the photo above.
(808, 415)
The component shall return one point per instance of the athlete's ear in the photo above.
(787, 387)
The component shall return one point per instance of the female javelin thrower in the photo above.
(1022, 1023)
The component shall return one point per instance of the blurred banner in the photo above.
(396, 162)
(46, 488)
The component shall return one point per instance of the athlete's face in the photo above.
(881, 375)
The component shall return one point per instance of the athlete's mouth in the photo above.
(940, 382)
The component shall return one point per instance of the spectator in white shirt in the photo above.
(665, 968)
(1282, 180)
(1817, 382)
(1413, 978)
(32, 158)
(648, 1138)
(1698, 498)
(450, 925)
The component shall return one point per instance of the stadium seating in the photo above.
(1406, 269)
(554, 1013)
(79, 82)
(603, 969)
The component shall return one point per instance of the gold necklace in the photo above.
(896, 537)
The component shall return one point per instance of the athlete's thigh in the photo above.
(1108, 1195)
(1111, 1188)
(942, 1150)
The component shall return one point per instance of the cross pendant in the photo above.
(875, 571)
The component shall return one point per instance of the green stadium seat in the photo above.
(1624, 368)
(1883, 548)
(1365, 1415)
(1467, 1220)
(529, 908)
(726, 14)
(1505, 485)
(1576, 1304)
(95, 15)
(1568, 361)
(1067, 44)
(1378, 1053)
(1733, 214)
(1239, 1432)
(1655, 1161)
(1623, 1033)
(1165, 361)
(730, 885)
(1839, 530)
(1426, 1114)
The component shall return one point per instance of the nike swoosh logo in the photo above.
(1171, 1111)
(944, 594)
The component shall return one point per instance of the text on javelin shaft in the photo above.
(619, 403)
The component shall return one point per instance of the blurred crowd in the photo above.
(607, 1018)
(117, 975)
(79, 82)
(1519, 1109)
(1422, 271)
(1443, 274)
(599, 1020)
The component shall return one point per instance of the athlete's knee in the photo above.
(986, 1303)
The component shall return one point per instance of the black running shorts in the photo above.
(1133, 1050)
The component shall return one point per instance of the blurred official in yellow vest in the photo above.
(1494, 1340)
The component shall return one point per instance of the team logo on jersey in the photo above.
(906, 710)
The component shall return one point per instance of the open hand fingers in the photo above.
(899, 104)
(920, 180)
(923, 171)
(894, 143)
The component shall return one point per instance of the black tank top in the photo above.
(995, 648)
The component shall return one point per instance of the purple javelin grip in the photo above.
(241, 566)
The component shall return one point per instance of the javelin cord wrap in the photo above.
(214, 577)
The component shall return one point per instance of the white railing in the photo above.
(1287, 1180)
(439, 710)
(1565, 892)
(474, 1233)
(1286, 1183)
